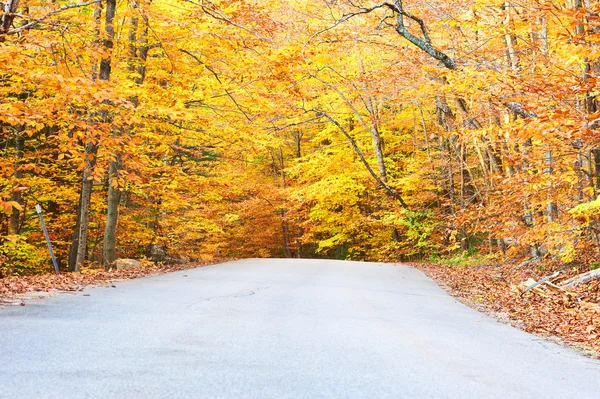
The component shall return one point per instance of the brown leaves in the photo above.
(11, 287)
(573, 316)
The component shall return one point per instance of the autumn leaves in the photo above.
(385, 131)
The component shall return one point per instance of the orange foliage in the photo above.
(304, 129)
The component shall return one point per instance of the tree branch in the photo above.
(199, 61)
(212, 10)
(346, 17)
(361, 156)
(425, 43)
(518, 109)
(48, 15)
(10, 9)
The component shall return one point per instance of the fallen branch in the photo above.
(536, 283)
(582, 278)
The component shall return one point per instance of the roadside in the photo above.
(549, 309)
(552, 308)
(15, 290)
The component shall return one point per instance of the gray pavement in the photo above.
(278, 329)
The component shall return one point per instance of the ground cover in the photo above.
(555, 308)
(16, 289)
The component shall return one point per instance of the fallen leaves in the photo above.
(12, 287)
(572, 315)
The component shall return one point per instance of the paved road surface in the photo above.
(278, 329)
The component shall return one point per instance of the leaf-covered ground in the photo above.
(14, 289)
(573, 317)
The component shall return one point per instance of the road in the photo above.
(278, 329)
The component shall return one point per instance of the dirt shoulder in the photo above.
(571, 314)
(15, 290)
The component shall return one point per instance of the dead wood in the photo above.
(582, 278)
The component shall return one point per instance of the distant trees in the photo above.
(386, 130)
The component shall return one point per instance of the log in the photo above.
(581, 278)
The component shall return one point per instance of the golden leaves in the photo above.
(8, 206)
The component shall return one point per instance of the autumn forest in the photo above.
(386, 131)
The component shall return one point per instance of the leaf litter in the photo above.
(518, 295)
(14, 290)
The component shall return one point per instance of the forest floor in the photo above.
(15, 290)
(569, 315)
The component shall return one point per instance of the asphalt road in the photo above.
(278, 329)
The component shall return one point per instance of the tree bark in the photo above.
(286, 236)
(75, 243)
(510, 40)
(143, 47)
(91, 148)
(10, 10)
(137, 55)
(16, 195)
(374, 128)
(596, 155)
(551, 207)
(297, 136)
(109, 247)
(299, 239)
(109, 16)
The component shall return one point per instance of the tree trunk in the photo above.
(374, 129)
(286, 236)
(551, 207)
(299, 239)
(596, 155)
(110, 231)
(132, 37)
(10, 10)
(143, 48)
(107, 43)
(297, 136)
(378, 146)
(79, 244)
(136, 62)
(16, 195)
(91, 150)
(510, 40)
(97, 17)
(75, 242)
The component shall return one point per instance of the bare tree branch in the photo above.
(212, 10)
(345, 18)
(199, 61)
(422, 43)
(36, 21)
(518, 109)
(397, 7)
(393, 193)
